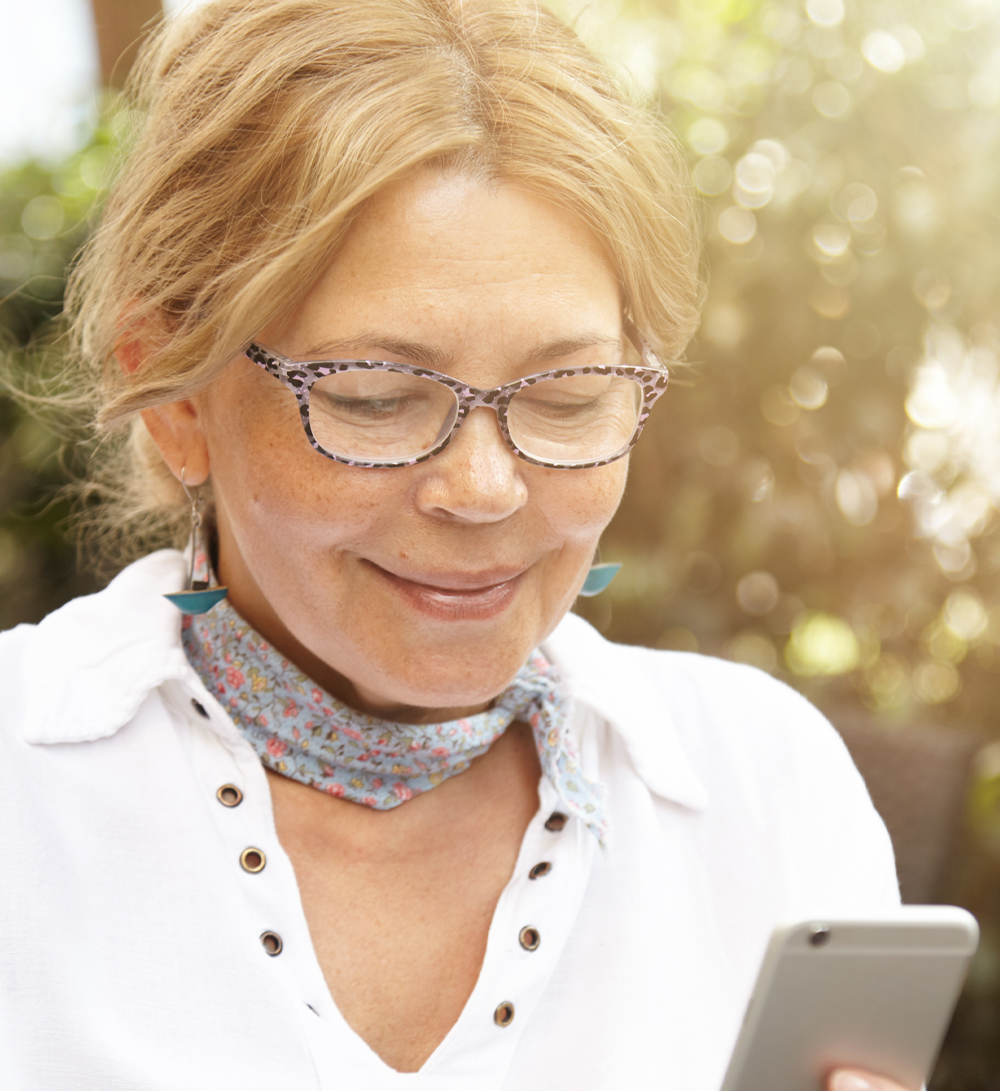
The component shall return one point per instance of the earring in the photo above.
(598, 578)
(199, 598)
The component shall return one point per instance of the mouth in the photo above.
(456, 596)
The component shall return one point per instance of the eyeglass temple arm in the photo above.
(646, 350)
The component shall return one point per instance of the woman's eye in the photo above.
(564, 397)
(374, 409)
(561, 405)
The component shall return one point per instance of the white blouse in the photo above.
(131, 949)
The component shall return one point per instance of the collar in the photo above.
(616, 682)
(91, 664)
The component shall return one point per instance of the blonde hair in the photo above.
(268, 123)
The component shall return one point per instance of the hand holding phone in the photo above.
(844, 1079)
(873, 996)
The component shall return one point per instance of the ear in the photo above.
(175, 427)
(176, 431)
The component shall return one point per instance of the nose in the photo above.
(477, 478)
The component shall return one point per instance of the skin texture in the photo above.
(376, 582)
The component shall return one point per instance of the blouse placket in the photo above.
(533, 919)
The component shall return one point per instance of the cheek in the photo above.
(580, 505)
(584, 501)
(276, 489)
(312, 505)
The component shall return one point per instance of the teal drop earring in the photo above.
(199, 598)
(598, 578)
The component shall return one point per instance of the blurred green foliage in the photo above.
(853, 222)
(46, 211)
(817, 495)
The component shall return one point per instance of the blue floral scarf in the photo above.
(300, 730)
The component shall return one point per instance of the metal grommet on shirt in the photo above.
(252, 860)
(229, 795)
(540, 870)
(199, 708)
(529, 938)
(271, 943)
(556, 821)
(504, 1015)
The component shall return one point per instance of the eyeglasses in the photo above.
(375, 413)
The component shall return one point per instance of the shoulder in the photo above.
(762, 765)
(710, 733)
(730, 714)
(84, 669)
(721, 712)
(14, 646)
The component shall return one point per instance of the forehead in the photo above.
(455, 218)
(452, 259)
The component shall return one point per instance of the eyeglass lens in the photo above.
(578, 418)
(380, 416)
(384, 416)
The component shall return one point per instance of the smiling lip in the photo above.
(457, 597)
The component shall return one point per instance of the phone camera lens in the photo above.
(819, 935)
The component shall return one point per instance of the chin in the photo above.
(456, 678)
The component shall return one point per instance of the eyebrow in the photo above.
(428, 356)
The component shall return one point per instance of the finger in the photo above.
(851, 1079)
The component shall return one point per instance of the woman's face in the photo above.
(423, 587)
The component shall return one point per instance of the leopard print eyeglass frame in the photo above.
(370, 424)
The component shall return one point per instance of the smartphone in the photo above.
(874, 994)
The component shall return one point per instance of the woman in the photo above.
(386, 814)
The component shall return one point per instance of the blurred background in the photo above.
(818, 494)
